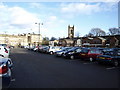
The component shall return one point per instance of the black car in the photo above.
(71, 53)
(110, 56)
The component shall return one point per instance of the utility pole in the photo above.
(39, 32)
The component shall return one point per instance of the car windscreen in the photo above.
(64, 49)
(72, 49)
(109, 53)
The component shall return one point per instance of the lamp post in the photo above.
(39, 32)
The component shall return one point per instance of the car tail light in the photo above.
(3, 69)
(6, 50)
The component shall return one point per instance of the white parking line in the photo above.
(12, 80)
(111, 68)
(86, 63)
(72, 60)
(89, 63)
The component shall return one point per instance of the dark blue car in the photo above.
(110, 56)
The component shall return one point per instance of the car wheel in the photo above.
(51, 53)
(115, 63)
(91, 59)
(72, 57)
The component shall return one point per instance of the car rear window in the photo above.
(84, 51)
(95, 51)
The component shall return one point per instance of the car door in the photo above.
(94, 53)
(84, 53)
(77, 52)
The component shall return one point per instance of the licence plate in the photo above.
(101, 57)
(83, 54)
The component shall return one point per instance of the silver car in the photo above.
(5, 72)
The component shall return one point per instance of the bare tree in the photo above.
(97, 32)
(114, 31)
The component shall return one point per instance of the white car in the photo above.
(4, 52)
(53, 49)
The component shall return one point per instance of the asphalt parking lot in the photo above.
(38, 70)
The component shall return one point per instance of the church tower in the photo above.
(71, 31)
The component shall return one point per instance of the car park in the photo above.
(110, 56)
(90, 54)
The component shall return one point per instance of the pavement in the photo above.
(37, 70)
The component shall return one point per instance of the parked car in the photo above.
(31, 47)
(74, 53)
(5, 72)
(45, 49)
(6, 46)
(40, 48)
(4, 51)
(53, 49)
(61, 52)
(111, 56)
(26, 47)
(70, 51)
(11, 47)
(35, 49)
(90, 54)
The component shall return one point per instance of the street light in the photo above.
(39, 32)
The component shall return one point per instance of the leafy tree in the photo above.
(45, 41)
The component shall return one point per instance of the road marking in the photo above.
(86, 63)
(12, 80)
(89, 63)
(110, 68)
(72, 60)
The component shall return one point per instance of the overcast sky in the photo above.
(20, 17)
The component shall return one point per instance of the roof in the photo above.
(101, 38)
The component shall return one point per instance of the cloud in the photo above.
(59, 1)
(36, 5)
(87, 8)
(16, 18)
(52, 18)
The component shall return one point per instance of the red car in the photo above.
(90, 53)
